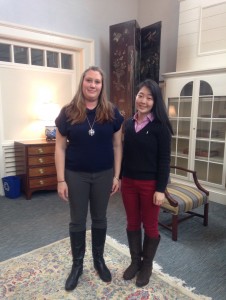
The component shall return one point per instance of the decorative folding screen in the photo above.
(134, 56)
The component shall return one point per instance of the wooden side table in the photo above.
(35, 165)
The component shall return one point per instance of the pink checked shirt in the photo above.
(147, 119)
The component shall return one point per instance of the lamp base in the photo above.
(50, 133)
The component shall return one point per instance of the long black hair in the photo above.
(159, 107)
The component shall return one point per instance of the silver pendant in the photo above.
(91, 132)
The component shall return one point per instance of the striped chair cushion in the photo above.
(187, 197)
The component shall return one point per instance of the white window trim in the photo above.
(81, 47)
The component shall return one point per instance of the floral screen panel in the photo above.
(134, 57)
(124, 65)
(150, 52)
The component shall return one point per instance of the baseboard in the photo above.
(218, 197)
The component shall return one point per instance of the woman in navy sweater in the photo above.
(88, 160)
(145, 173)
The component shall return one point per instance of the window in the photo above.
(66, 61)
(52, 59)
(35, 57)
(5, 54)
(187, 89)
(21, 55)
(205, 88)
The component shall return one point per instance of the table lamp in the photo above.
(49, 114)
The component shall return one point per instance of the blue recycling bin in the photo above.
(12, 186)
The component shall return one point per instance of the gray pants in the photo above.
(84, 189)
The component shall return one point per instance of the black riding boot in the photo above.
(150, 246)
(98, 241)
(135, 247)
(78, 251)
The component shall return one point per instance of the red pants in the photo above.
(138, 202)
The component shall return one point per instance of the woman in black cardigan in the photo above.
(145, 173)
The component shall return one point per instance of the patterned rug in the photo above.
(41, 274)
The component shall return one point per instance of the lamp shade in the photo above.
(49, 112)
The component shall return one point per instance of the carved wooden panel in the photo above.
(124, 65)
(134, 56)
(150, 52)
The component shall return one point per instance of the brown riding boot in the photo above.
(135, 247)
(150, 246)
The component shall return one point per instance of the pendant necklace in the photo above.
(91, 130)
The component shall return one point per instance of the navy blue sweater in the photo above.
(146, 154)
(87, 153)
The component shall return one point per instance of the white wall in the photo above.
(85, 18)
(189, 56)
(23, 109)
(92, 18)
(152, 11)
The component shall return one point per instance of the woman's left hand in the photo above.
(158, 198)
(115, 186)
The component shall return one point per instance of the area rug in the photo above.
(40, 275)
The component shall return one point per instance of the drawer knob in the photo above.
(40, 160)
(41, 171)
(40, 150)
(41, 182)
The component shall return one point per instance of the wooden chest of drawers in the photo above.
(35, 165)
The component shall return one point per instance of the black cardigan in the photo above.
(146, 154)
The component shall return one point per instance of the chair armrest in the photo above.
(194, 174)
(172, 201)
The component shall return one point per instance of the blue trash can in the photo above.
(12, 186)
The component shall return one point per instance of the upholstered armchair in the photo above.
(181, 200)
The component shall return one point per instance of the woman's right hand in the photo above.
(62, 190)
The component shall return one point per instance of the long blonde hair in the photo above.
(76, 109)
